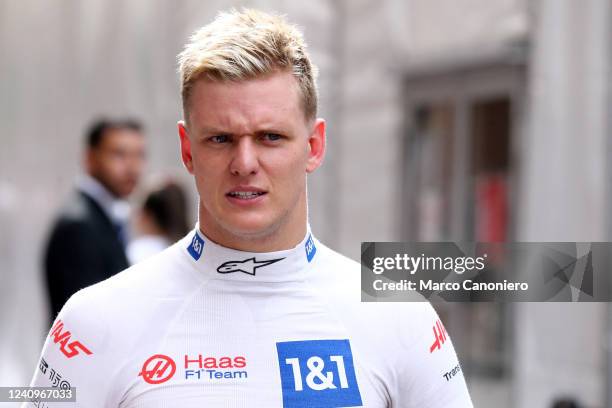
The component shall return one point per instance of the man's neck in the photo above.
(275, 238)
(268, 241)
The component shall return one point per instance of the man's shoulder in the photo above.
(339, 278)
(77, 210)
(134, 293)
(161, 274)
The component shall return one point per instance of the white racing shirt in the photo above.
(201, 325)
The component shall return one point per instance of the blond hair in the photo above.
(241, 45)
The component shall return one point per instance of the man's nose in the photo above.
(245, 160)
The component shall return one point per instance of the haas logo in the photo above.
(439, 336)
(68, 348)
(157, 369)
(248, 266)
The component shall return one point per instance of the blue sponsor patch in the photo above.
(196, 246)
(310, 247)
(318, 374)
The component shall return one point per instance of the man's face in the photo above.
(249, 147)
(118, 160)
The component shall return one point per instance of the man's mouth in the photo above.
(245, 195)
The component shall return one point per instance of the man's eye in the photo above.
(272, 137)
(219, 139)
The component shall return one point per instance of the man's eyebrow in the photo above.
(271, 129)
(213, 131)
(279, 128)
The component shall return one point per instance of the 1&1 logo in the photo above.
(318, 374)
(196, 246)
(310, 248)
(158, 369)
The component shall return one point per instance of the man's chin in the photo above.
(252, 231)
(124, 188)
(251, 228)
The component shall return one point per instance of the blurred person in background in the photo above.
(566, 403)
(88, 239)
(249, 309)
(159, 222)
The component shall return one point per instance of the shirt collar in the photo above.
(219, 262)
(116, 209)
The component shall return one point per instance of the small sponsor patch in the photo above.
(56, 378)
(157, 369)
(453, 372)
(67, 345)
(196, 246)
(440, 336)
(310, 247)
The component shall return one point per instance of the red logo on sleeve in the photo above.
(158, 369)
(439, 336)
(68, 348)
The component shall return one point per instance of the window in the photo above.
(462, 127)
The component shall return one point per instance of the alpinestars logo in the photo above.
(248, 266)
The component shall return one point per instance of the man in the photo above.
(87, 240)
(249, 309)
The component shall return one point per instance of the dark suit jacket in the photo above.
(83, 249)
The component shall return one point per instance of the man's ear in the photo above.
(316, 146)
(185, 146)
